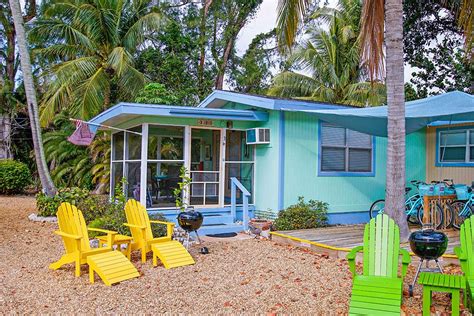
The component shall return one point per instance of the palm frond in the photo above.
(290, 15)
(59, 52)
(293, 84)
(57, 97)
(372, 37)
(145, 25)
(90, 95)
(49, 30)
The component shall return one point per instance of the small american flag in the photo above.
(82, 136)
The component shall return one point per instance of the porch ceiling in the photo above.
(123, 112)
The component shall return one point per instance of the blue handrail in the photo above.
(235, 183)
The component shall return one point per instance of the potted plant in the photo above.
(188, 218)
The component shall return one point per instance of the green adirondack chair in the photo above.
(465, 254)
(379, 289)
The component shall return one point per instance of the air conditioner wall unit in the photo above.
(256, 136)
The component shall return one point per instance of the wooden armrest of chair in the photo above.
(169, 227)
(111, 232)
(351, 256)
(142, 228)
(461, 255)
(76, 238)
(406, 259)
(462, 258)
(66, 235)
(110, 235)
(162, 222)
(134, 226)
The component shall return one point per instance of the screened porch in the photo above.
(152, 155)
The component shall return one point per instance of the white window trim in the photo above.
(467, 159)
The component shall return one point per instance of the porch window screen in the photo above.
(125, 162)
(344, 150)
(456, 146)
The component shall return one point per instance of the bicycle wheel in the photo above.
(460, 213)
(412, 218)
(449, 216)
(437, 219)
(376, 208)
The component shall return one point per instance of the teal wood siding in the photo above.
(344, 194)
(267, 184)
(267, 161)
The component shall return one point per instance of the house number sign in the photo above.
(205, 122)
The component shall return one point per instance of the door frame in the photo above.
(187, 163)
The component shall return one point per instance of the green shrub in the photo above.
(14, 176)
(48, 206)
(158, 230)
(95, 206)
(302, 215)
(99, 211)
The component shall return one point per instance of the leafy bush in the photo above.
(99, 211)
(48, 206)
(158, 230)
(302, 215)
(14, 176)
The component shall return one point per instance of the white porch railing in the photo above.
(235, 183)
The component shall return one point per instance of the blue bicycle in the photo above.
(413, 208)
(463, 208)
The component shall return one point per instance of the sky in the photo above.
(265, 20)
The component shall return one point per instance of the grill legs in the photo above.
(426, 269)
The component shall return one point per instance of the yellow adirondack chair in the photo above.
(111, 266)
(171, 252)
(73, 230)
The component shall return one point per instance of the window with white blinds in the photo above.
(344, 150)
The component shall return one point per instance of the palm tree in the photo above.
(91, 46)
(43, 172)
(332, 59)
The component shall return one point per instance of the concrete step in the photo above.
(218, 219)
(220, 229)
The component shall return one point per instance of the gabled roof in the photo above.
(124, 111)
(219, 98)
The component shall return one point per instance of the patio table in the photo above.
(437, 282)
(119, 240)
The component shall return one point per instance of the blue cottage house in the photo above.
(247, 152)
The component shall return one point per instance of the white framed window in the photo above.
(345, 152)
(455, 147)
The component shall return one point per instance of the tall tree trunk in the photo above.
(395, 193)
(223, 66)
(43, 172)
(10, 60)
(202, 44)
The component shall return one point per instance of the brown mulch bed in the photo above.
(238, 276)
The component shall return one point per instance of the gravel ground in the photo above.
(238, 276)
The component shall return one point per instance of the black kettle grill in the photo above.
(190, 221)
(428, 245)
